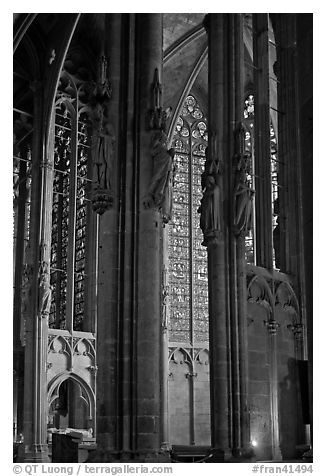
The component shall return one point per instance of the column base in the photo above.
(34, 454)
(150, 456)
(243, 455)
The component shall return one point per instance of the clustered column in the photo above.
(224, 180)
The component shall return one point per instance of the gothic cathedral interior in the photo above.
(162, 187)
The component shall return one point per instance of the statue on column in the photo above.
(160, 189)
(25, 299)
(243, 195)
(103, 138)
(45, 290)
(243, 192)
(210, 205)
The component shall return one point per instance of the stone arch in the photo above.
(286, 297)
(258, 291)
(54, 387)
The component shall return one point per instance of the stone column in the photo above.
(293, 36)
(272, 327)
(19, 306)
(109, 402)
(36, 290)
(264, 246)
(165, 348)
(149, 28)
(37, 269)
(226, 273)
(219, 330)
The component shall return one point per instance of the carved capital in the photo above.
(93, 369)
(297, 329)
(212, 238)
(191, 375)
(272, 326)
(102, 200)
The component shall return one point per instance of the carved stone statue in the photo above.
(160, 189)
(243, 199)
(103, 146)
(210, 206)
(25, 298)
(45, 290)
(25, 287)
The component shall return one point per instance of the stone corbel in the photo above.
(297, 329)
(272, 326)
(191, 375)
(93, 369)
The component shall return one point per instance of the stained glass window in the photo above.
(22, 176)
(69, 219)
(187, 256)
(249, 111)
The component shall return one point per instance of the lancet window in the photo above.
(249, 111)
(70, 215)
(187, 256)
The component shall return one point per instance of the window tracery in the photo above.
(70, 215)
(249, 112)
(187, 256)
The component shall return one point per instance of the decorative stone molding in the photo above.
(157, 117)
(191, 375)
(297, 329)
(259, 292)
(93, 369)
(202, 357)
(102, 200)
(286, 298)
(272, 326)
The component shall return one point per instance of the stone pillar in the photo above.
(272, 328)
(165, 349)
(264, 246)
(219, 337)
(19, 258)
(149, 28)
(37, 268)
(226, 273)
(109, 402)
(293, 35)
(36, 291)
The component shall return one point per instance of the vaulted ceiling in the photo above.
(185, 66)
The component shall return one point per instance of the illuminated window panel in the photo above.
(63, 212)
(187, 257)
(249, 111)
